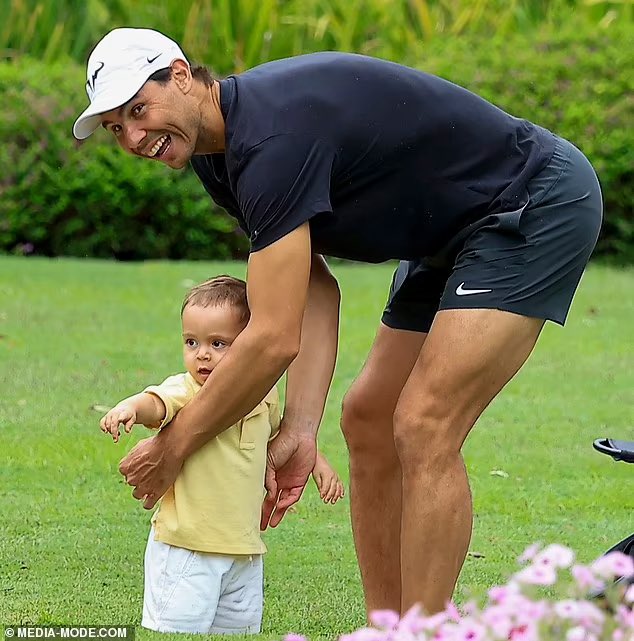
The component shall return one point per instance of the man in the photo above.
(493, 218)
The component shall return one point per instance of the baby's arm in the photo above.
(328, 482)
(144, 408)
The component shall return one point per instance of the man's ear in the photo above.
(182, 75)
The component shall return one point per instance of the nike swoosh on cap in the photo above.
(461, 291)
(151, 60)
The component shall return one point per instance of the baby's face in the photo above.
(207, 335)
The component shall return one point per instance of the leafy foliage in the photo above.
(576, 82)
(57, 199)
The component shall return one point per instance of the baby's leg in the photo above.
(241, 596)
(182, 588)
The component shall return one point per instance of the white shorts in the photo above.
(188, 591)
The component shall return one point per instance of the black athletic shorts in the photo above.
(527, 261)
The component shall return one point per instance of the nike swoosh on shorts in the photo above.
(461, 291)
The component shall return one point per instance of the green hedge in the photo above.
(578, 82)
(59, 199)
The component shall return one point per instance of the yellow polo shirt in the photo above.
(215, 503)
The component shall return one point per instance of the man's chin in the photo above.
(178, 163)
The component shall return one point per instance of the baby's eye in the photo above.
(217, 344)
(190, 342)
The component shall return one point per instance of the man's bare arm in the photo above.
(291, 455)
(277, 286)
(310, 374)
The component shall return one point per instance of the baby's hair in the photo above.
(220, 290)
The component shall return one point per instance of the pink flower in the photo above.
(453, 614)
(434, 621)
(585, 578)
(579, 634)
(625, 617)
(590, 616)
(470, 608)
(529, 553)
(498, 619)
(567, 609)
(502, 593)
(629, 594)
(295, 637)
(534, 610)
(470, 630)
(556, 555)
(537, 575)
(614, 564)
(364, 634)
(444, 633)
(384, 619)
(523, 632)
(412, 622)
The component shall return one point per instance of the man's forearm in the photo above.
(310, 374)
(237, 384)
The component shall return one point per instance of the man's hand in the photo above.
(290, 460)
(151, 469)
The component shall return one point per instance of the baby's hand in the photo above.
(120, 414)
(328, 482)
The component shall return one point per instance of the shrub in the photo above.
(58, 199)
(577, 82)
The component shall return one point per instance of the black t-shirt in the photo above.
(385, 161)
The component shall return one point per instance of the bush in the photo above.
(575, 81)
(57, 199)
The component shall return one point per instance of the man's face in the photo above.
(160, 123)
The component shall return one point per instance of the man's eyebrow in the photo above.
(121, 109)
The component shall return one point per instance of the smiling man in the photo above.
(492, 217)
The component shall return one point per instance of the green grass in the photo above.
(75, 333)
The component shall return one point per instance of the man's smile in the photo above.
(159, 147)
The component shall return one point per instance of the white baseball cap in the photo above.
(118, 67)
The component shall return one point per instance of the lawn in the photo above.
(80, 333)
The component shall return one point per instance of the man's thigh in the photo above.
(468, 357)
(368, 407)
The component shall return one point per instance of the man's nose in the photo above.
(134, 136)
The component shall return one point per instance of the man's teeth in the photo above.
(157, 145)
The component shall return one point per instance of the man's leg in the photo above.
(467, 358)
(375, 472)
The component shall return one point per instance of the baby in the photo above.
(203, 560)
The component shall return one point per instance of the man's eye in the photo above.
(115, 129)
(137, 110)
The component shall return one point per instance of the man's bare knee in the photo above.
(366, 425)
(428, 440)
